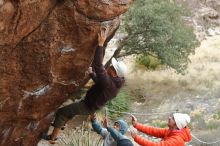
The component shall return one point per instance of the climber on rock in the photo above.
(107, 85)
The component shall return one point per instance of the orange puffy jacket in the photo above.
(169, 137)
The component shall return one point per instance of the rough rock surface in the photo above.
(46, 47)
(205, 16)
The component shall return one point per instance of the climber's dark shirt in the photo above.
(105, 87)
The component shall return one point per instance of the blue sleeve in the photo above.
(115, 134)
(96, 126)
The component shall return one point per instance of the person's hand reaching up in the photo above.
(102, 35)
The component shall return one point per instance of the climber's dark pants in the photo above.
(67, 112)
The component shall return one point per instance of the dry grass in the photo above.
(196, 92)
(202, 73)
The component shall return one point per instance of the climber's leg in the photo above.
(45, 136)
(66, 113)
(62, 128)
(54, 135)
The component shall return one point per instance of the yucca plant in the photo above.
(82, 137)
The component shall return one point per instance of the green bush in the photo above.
(216, 116)
(148, 61)
(157, 28)
(120, 103)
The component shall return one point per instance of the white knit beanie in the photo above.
(181, 120)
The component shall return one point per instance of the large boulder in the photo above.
(46, 47)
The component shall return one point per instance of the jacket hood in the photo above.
(184, 134)
(123, 126)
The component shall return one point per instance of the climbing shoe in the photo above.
(47, 137)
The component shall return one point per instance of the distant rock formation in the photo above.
(206, 16)
(46, 47)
